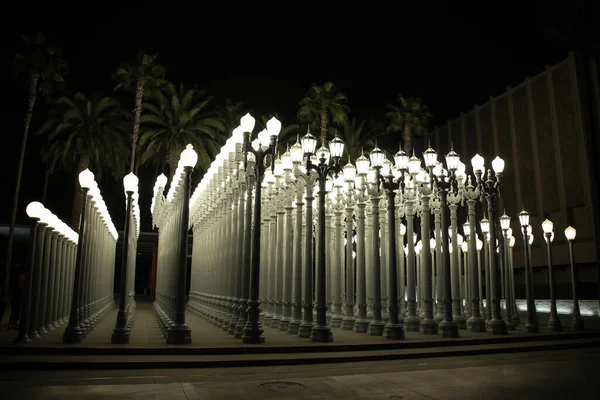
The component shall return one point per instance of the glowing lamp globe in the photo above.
(479, 245)
(498, 165)
(547, 226)
(238, 135)
(401, 160)
(247, 123)
(189, 157)
(264, 138)
(570, 233)
(414, 165)
(161, 181)
(530, 240)
(386, 168)
(464, 247)
(336, 147)
(524, 218)
(452, 160)
(35, 209)
(349, 172)
(278, 168)
(432, 243)
(323, 154)
(430, 157)
(477, 163)
(362, 165)
(511, 241)
(505, 222)
(467, 228)
(130, 182)
(286, 161)
(309, 144)
(86, 177)
(296, 153)
(485, 225)
(377, 156)
(402, 229)
(273, 127)
(459, 239)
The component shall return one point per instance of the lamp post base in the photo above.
(448, 329)
(577, 324)
(321, 334)
(336, 321)
(393, 332)
(348, 323)
(375, 328)
(72, 335)
(554, 324)
(23, 339)
(531, 327)
(412, 324)
(360, 326)
(428, 327)
(460, 321)
(179, 334)
(120, 336)
(284, 323)
(498, 327)
(476, 324)
(304, 330)
(293, 327)
(253, 337)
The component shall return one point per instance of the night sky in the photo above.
(452, 58)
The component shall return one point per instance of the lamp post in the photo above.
(320, 332)
(445, 183)
(264, 144)
(553, 320)
(393, 329)
(179, 332)
(508, 283)
(362, 168)
(120, 334)
(491, 188)
(349, 177)
(73, 333)
(531, 325)
(576, 322)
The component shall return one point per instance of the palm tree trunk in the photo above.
(33, 82)
(139, 93)
(407, 140)
(82, 163)
(324, 121)
(45, 189)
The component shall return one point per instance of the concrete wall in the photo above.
(539, 129)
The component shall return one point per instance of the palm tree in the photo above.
(324, 103)
(43, 68)
(141, 75)
(410, 116)
(174, 117)
(82, 133)
(230, 113)
(358, 135)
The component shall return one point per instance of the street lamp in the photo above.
(383, 173)
(445, 183)
(553, 320)
(576, 322)
(121, 332)
(531, 325)
(508, 283)
(491, 188)
(263, 145)
(320, 332)
(73, 333)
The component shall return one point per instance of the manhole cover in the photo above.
(282, 386)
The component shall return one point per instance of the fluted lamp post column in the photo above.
(576, 322)
(320, 332)
(446, 184)
(349, 177)
(531, 325)
(491, 188)
(508, 284)
(393, 329)
(73, 333)
(121, 332)
(553, 320)
(264, 144)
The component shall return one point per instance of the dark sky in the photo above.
(451, 57)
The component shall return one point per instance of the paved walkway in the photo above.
(145, 333)
(569, 374)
